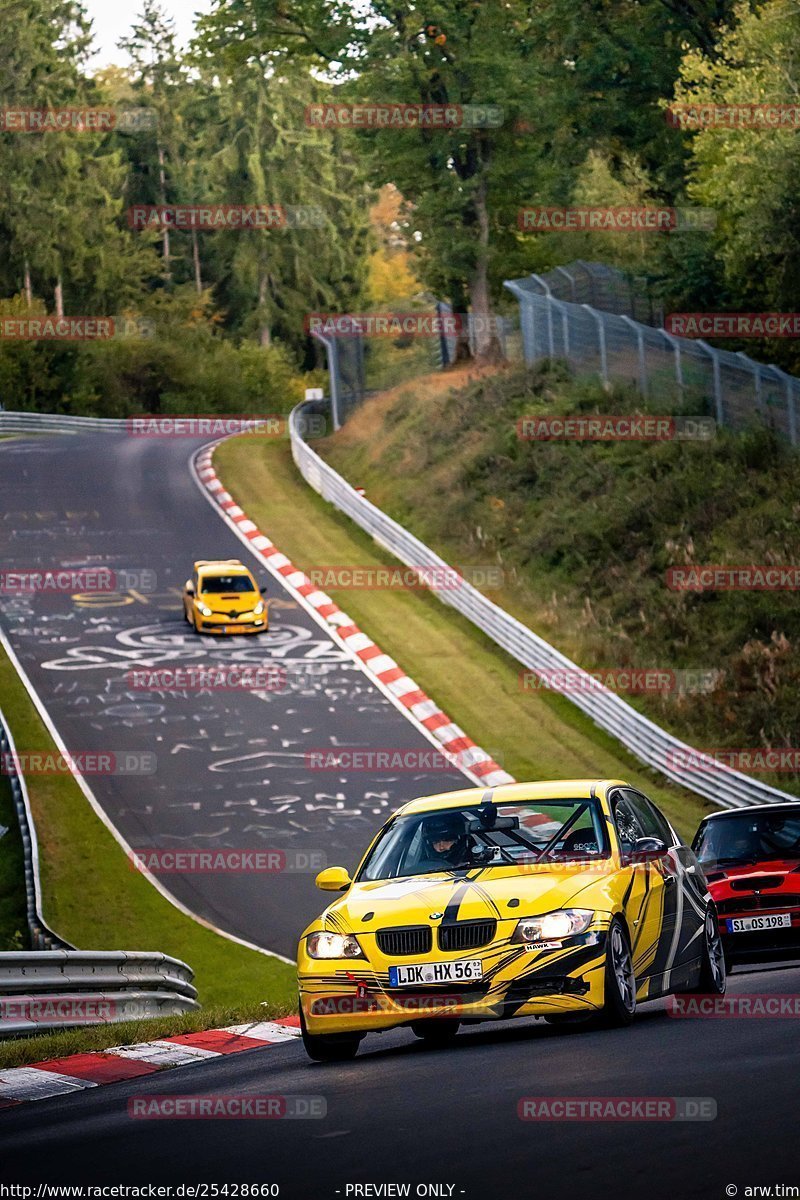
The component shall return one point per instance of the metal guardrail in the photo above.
(41, 935)
(55, 986)
(61, 989)
(32, 422)
(651, 744)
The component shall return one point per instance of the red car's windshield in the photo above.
(749, 838)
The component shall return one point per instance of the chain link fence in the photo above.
(601, 322)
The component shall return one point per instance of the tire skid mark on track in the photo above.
(405, 694)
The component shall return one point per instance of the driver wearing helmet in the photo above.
(444, 843)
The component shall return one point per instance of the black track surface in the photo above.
(402, 1113)
(231, 768)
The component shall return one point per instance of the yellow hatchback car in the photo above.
(569, 900)
(223, 597)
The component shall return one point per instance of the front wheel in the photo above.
(713, 978)
(329, 1047)
(619, 1003)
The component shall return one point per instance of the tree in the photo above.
(751, 176)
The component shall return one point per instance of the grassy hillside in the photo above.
(586, 531)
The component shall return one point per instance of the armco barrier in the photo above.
(651, 744)
(55, 986)
(42, 937)
(30, 422)
(60, 989)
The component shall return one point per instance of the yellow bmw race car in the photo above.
(570, 900)
(223, 597)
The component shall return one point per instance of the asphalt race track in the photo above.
(403, 1113)
(230, 769)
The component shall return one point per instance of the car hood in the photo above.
(244, 602)
(730, 881)
(491, 893)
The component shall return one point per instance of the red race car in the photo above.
(751, 860)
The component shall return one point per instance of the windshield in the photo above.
(217, 584)
(488, 836)
(749, 838)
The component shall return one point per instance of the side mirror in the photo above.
(189, 588)
(333, 879)
(648, 849)
(263, 590)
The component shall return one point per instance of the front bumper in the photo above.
(232, 626)
(356, 997)
(761, 945)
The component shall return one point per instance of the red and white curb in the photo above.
(382, 668)
(58, 1076)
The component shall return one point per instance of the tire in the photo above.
(330, 1047)
(713, 979)
(436, 1031)
(619, 1004)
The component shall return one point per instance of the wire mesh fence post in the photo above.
(601, 340)
(562, 308)
(756, 369)
(545, 286)
(720, 411)
(791, 407)
(676, 345)
(525, 319)
(638, 331)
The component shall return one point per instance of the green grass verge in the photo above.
(13, 921)
(533, 735)
(39, 1048)
(93, 899)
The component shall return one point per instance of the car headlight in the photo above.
(259, 608)
(334, 945)
(553, 926)
(204, 609)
